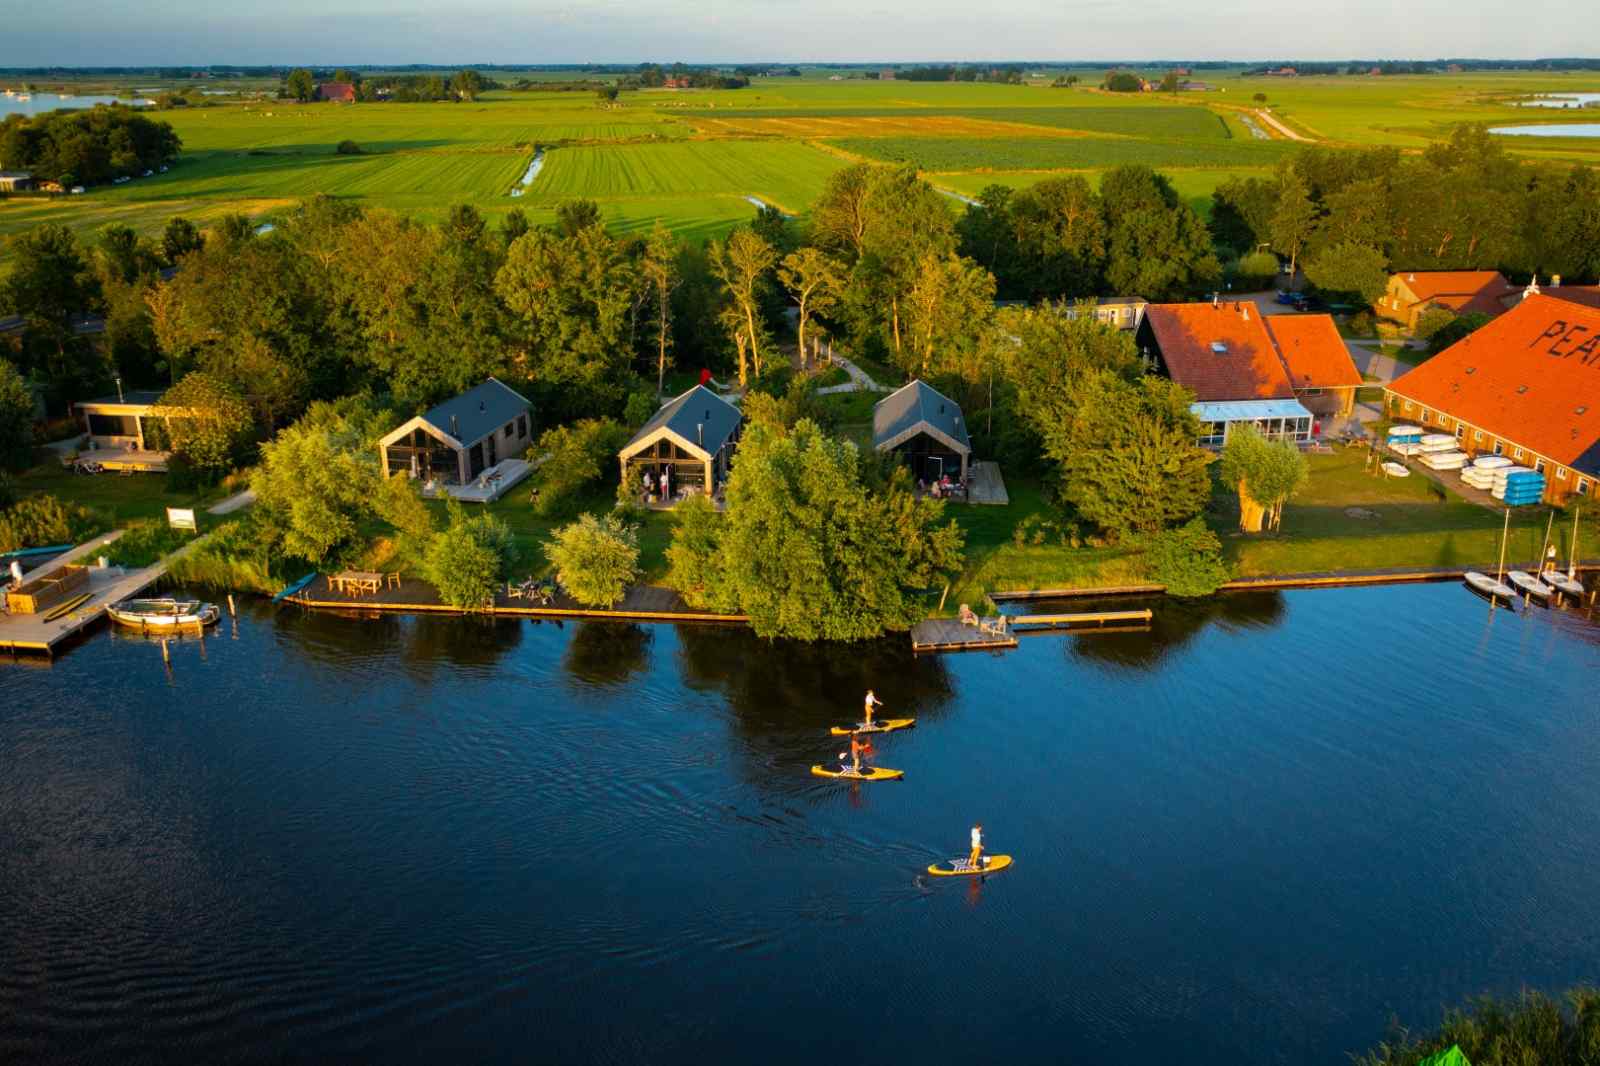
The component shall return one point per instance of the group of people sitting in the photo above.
(943, 488)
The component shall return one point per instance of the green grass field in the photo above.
(690, 158)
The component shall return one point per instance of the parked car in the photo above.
(147, 173)
(163, 168)
(119, 180)
(1291, 299)
(76, 189)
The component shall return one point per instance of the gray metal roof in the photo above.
(918, 408)
(699, 416)
(477, 412)
(135, 397)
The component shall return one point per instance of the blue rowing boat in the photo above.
(296, 587)
(24, 553)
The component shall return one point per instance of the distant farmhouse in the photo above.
(15, 180)
(1487, 292)
(340, 92)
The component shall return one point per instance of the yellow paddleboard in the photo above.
(870, 773)
(888, 725)
(988, 864)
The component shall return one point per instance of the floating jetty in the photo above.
(950, 634)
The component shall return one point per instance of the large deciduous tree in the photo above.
(814, 279)
(742, 263)
(16, 418)
(662, 275)
(1357, 269)
(1157, 247)
(595, 559)
(300, 85)
(808, 549)
(1294, 218)
(1264, 473)
(947, 310)
(207, 423)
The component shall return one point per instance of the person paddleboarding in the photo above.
(859, 749)
(871, 702)
(977, 847)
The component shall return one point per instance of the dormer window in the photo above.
(1219, 347)
(1521, 389)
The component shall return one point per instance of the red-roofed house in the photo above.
(1527, 385)
(1411, 293)
(1223, 353)
(1324, 377)
(341, 92)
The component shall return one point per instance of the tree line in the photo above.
(1350, 217)
(86, 147)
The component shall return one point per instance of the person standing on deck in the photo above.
(977, 846)
(871, 702)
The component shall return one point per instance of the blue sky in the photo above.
(122, 32)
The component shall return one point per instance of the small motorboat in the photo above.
(1528, 583)
(1394, 469)
(165, 613)
(1562, 583)
(1490, 587)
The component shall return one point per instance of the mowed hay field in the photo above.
(692, 159)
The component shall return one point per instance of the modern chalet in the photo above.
(925, 429)
(1526, 386)
(691, 439)
(469, 447)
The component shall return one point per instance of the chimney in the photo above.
(1216, 299)
(1411, 277)
(1244, 309)
(1555, 281)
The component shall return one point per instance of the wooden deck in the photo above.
(947, 634)
(648, 603)
(31, 633)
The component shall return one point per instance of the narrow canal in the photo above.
(1249, 836)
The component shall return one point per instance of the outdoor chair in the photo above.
(393, 580)
(997, 628)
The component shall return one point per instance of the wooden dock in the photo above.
(947, 634)
(1038, 623)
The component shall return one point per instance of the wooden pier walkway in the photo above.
(642, 603)
(947, 634)
(1038, 623)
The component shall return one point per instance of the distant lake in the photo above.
(1554, 129)
(39, 103)
(1563, 100)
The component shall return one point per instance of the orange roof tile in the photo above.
(1457, 288)
(1532, 376)
(1247, 368)
(1313, 352)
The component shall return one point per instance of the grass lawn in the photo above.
(120, 499)
(1416, 524)
(532, 530)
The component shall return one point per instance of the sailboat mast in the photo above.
(1572, 549)
(1544, 549)
(1506, 529)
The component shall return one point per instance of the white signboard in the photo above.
(181, 518)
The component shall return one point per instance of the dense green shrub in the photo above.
(238, 554)
(468, 560)
(145, 542)
(1187, 560)
(16, 419)
(582, 460)
(1530, 1029)
(1255, 270)
(596, 559)
(348, 147)
(1362, 324)
(37, 521)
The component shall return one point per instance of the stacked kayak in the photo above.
(1518, 487)
(1405, 434)
(1480, 472)
(1437, 442)
(1446, 460)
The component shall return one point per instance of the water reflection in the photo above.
(1174, 624)
(608, 653)
(778, 686)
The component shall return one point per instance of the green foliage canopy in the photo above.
(595, 559)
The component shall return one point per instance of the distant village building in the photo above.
(15, 180)
(924, 427)
(341, 92)
(1193, 87)
(1244, 368)
(1526, 386)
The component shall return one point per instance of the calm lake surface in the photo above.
(1249, 836)
(39, 103)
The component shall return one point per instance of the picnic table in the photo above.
(356, 582)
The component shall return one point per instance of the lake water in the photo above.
(39, 103)
(1563, 100)
(1247, 836)
(1566, 129)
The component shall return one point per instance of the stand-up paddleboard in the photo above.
(868, 773)
(887, 725)
(987, 864)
